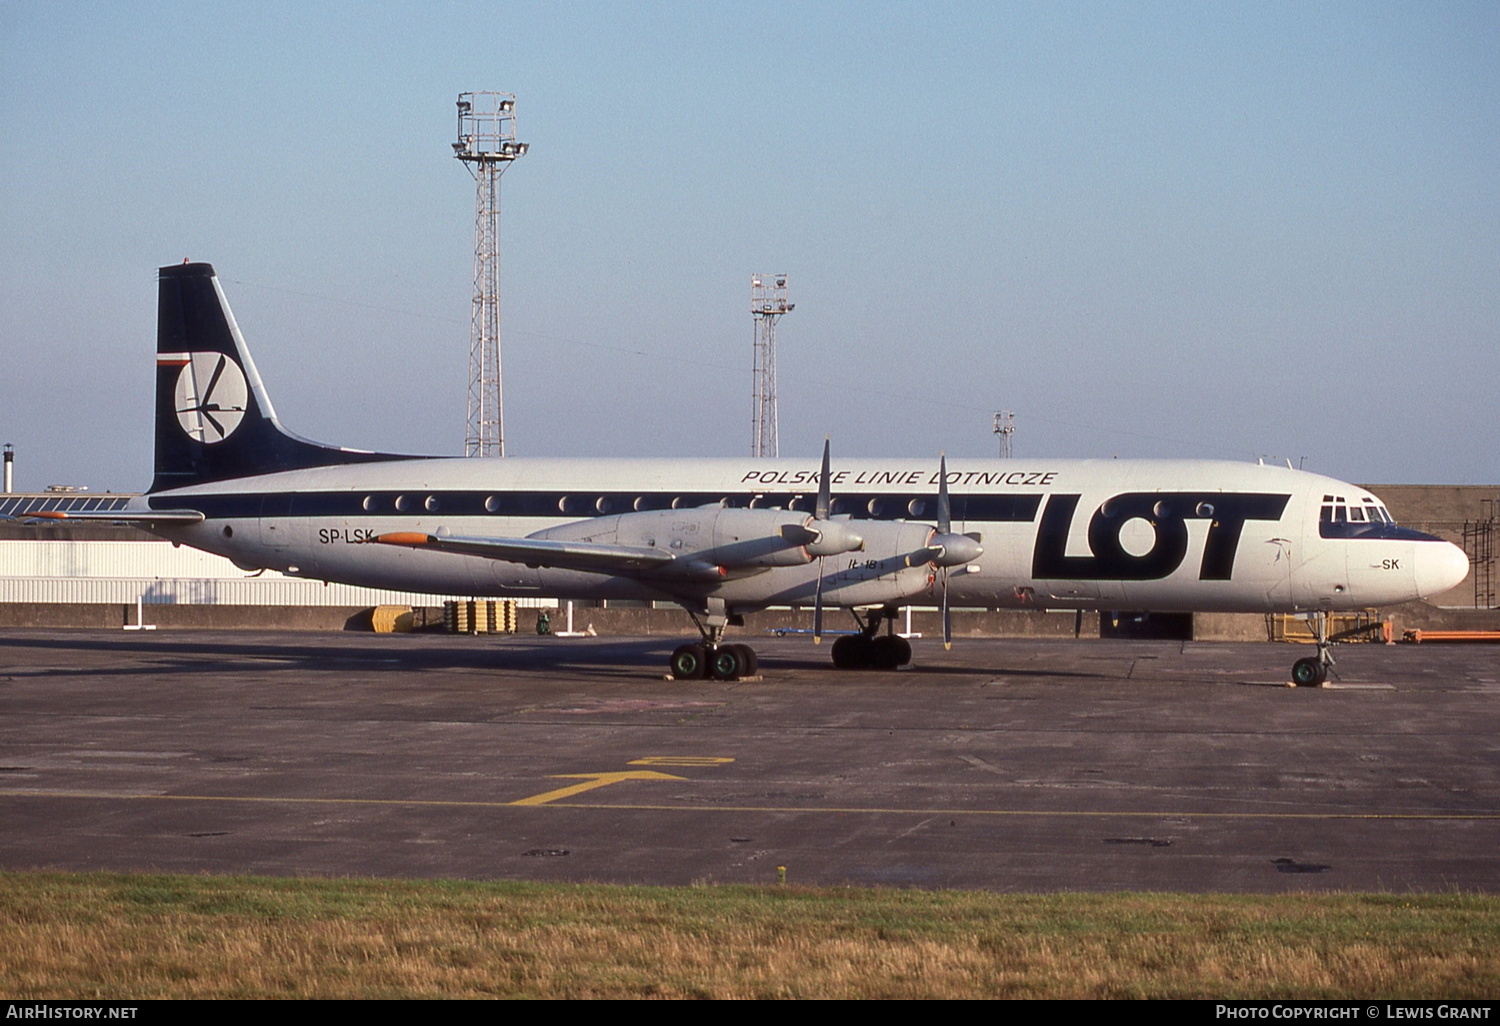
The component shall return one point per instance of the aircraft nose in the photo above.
(1440, 566)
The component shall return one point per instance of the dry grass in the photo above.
(114, 936)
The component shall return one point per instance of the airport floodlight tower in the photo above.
(487, 146)
(767, 304)
(1005, 427)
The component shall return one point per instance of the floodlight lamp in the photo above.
(464, 106)
(506, 106)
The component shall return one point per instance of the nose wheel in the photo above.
(1309, 672)
(1312, 671)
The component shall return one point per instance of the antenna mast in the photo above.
(767, 304)
(1005, 427)
(487, 146)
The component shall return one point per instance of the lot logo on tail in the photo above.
(211, 394)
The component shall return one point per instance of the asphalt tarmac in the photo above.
(1012, 765)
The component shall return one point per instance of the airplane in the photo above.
(727, 537)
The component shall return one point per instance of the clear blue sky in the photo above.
(1152, 229)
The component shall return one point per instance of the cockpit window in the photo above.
(1338, 510)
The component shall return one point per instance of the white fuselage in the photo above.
(1163, 535)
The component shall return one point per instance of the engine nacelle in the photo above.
(877, 575)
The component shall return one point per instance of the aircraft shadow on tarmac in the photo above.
(595, 658)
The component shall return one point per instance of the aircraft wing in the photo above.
(568, 555)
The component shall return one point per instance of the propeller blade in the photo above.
(825, 487)
(818, 607)
(947, 616)
(944, 514)
(926, 554)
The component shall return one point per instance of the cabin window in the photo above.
(402, 503)
(491, 504)
(369, 504)
(917, 507)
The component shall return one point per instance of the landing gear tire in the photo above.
(889, 651)
(852, 652)
(1309, 672)
(726, 663)
(749, 661)
(689, 662)
(858, 652)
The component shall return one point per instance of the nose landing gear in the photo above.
(1312, 671)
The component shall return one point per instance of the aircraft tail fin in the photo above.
(214, 420)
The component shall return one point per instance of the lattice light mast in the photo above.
(487, 146)
(767, 304)
(1005, 427)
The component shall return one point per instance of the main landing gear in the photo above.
(869, 649)
(1313, 671)
(711, 657)
(721, 662)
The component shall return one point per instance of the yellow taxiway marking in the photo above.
(591, 781)
(680, 760)
(849, 810)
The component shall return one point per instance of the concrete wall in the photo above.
(111, 615)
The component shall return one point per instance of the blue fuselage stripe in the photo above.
(579, 504)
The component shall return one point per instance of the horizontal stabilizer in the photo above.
(155, 516)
